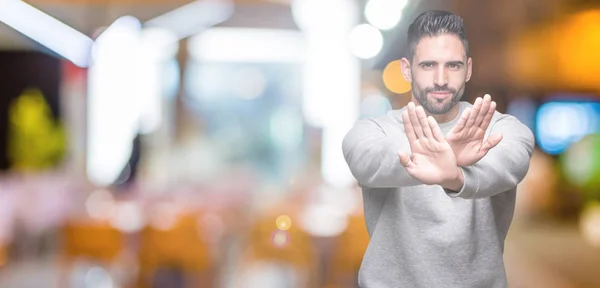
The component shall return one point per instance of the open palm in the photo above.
(467, 137)
(432, 160)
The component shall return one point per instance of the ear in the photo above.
(469, 69)
(406, 71)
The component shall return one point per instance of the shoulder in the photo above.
(511, 127)
(390, 122)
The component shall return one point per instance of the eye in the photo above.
(453, 66)
(427, 65)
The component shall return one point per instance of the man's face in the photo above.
(438, 72)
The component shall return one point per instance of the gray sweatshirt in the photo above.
(426, 236)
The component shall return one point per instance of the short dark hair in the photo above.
(434, 23)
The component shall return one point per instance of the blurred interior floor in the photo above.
(551, 256)
(537, 255)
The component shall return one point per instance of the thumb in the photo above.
(404, 158)
(491, 141)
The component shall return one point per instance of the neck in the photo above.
(440, 118)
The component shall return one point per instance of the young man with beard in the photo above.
(439, 176)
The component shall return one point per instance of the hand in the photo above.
(467, 137)
(432, 161)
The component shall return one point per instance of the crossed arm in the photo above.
(372, 156)
(504, 166)
(373, 159)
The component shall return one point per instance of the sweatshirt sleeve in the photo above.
(504, 166)
(372, 156)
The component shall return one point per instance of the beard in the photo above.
(435, 106)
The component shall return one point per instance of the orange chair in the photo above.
(348, 254)
(3, 256)
(95, 241)
(98, 241)
(180, 246)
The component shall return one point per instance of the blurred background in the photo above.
(155, 143)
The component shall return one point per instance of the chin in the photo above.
(439, 108)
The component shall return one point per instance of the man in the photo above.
(439, 176)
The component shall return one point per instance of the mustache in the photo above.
(438, 88)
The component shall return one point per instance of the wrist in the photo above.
(455, 182)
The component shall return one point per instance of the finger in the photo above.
(424, 123)
(404, 159)
(491, 142)
(408, 127)
(435, 129)
(488, 116)
(415, 120)
(474, 112)
(485, 106)
(460, 125)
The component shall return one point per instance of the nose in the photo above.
(441, 76)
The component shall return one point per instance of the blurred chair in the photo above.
(348, 253)
(3, 255)
(94, 241)
(98, 241)
(179, 249)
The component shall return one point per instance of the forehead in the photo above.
(446, 47)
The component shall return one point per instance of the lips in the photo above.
(440, 95)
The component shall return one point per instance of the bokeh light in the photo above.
(165, 216)
(365, 41)
(590, 223)
(581, 165)
(559, 124)
(100, 205)
(283, 222)
(577, 48)
(384, 14)
(280, 239)
(393, 78)
(98, 277)
(128, 217)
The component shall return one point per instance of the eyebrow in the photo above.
(460, 63)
